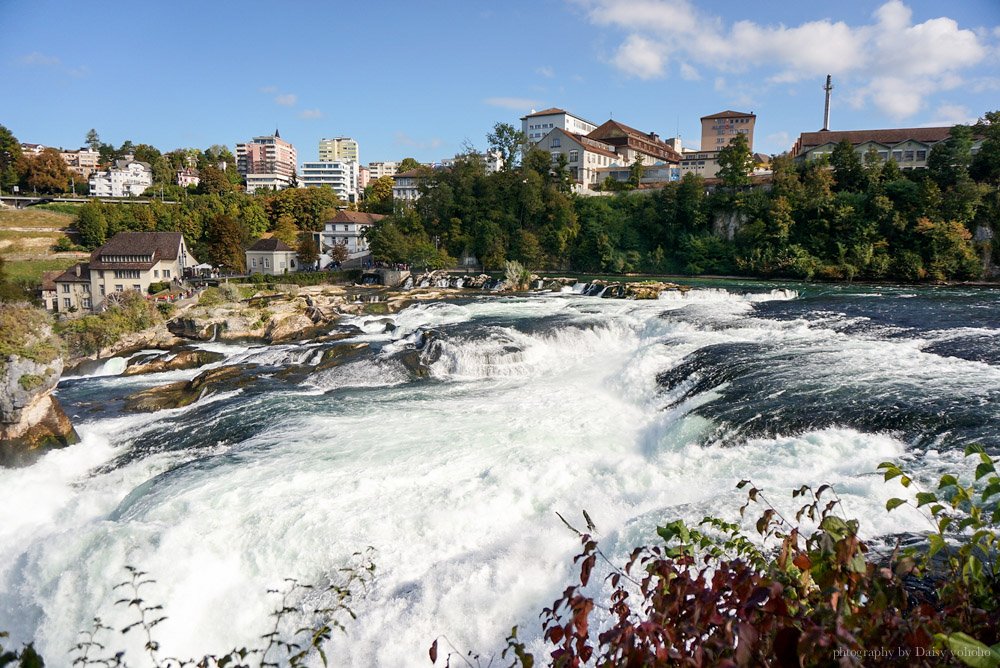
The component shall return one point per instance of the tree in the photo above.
(10, 154)
(736, 163)
(406, 164)
(986, 163)
(378, 196)
(508, 143)
(212, 181)
(93, 140)
(46, 172)
(339, 254)
(307, 250)
(226, 241)
(92, 225)
(286, 230)
(636, 171)
(949, 160)
(847, 170)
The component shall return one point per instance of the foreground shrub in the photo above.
(124, 313)
(711, 596)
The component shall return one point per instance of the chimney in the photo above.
(826, 111)
(77, 267)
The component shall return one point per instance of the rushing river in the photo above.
(639, 412)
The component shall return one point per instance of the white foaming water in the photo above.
(455, 481)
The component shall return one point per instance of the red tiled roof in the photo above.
(546, 112)
(49, 279)
(643, 142)
(809, 140)
(729, 114)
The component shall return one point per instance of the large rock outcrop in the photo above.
(31, 419)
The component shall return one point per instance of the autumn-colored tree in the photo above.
(286, 230)
(46, 172)
(307, 250)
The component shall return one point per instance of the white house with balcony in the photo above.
(346, 229)
(584, 156)
(127, 178)
(340, 175)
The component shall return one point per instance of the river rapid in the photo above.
(639, 412)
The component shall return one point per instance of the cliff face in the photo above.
(31, 419)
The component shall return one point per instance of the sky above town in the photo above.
(428, 79)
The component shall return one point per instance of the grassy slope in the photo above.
(26, 240)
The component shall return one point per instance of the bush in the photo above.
(710, 595)
(63, 245)
(159, 286)
(125, 313)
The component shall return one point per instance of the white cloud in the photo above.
(287, 99)
(952, 114)
(513, 103)
(877, 57)
(311, 114)
(546, 72)
(38, 58)
(641, 57)
(689, 73)
(403, 139)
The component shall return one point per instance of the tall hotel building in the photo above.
(266, 162)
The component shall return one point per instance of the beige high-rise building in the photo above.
(718, 130)
(338, 149)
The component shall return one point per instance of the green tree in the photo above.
(227, 240)
(212, 181)
(92, 225)
(848, 174)
(406, 164)
(10, 154)
(93, 140)
(286, 230)
(949, 160)
(986, 163)
(508, 143)
(46, 172)
(635, 172)
(378, 196)
(736, 163)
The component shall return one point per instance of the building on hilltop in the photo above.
(129, 261)
(719, 129)
(266, 162)
(406, 186)
(909, 147)
(126, 178)
(188, 176)
(537, 124)
(82, 162)
(584, 156)
(271, 256)
(338, 149)
(377, 170)
(346, 229)
(630, 144)
(340, 175)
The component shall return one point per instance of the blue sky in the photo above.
(422, 79)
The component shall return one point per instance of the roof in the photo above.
(156, 245)
(122, 164)
(581, 140)
(546, 112)
(730, 114)
(644, 142)
(809, 140)
(357, 217)
(271, 244)
(71, 275)
(411, 173)
(49, 278)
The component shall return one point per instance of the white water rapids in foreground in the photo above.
(454, 481)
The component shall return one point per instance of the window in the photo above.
(574, 156)
(253, 262)
(156, 273)
(908, 156)
(921, 155)
(267, 263)
(67, 302)
(119, 288)
(86, 288)
(556, 141)
(137, 287)
(102, 290)
(65, 287)
(86, 302)
(166, 273)
(897, 156)
(883, 155)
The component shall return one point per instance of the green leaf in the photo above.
(947, 480)
(923, 498)
(973, 449)
(937, 544)
(971, 652)
(985, 469)
(905, 481)
(892, 504)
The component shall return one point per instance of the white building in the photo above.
(128, 178)
(537, 124)
(346, 229)
(338, 149)
(271, 256)
(379, 169)
(342, 176)
(584, 156)
(188, 177)
(406, 186)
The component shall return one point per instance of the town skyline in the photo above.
(409, 81)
